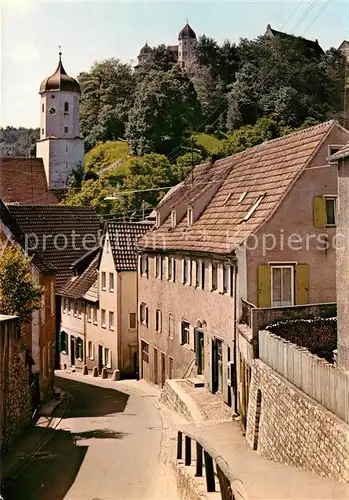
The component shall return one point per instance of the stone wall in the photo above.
(14, 390)
(287, 426)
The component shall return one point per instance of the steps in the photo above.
(197, 381)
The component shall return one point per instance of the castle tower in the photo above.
(186, 44)
(60, 145)
(145, 56)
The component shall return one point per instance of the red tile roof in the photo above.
(23, 180)
(78, 286)
(269, 169)
(62, 234)
(123, 242)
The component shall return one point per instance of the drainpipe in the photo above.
(119, 320)
(85, 327)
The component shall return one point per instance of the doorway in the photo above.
(163, 369)
(100, 358)
(72, 350)
(200, 351)
(217, 365)
(155, 365)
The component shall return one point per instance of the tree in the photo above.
(248, 136)
(164, 112)
(92, 193)
(19, 294)
(107, 91)
(185, 164)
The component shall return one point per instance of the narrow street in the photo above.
(109, 444)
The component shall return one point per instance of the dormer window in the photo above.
(254, 206)
(190, 216)
(157, 219)
(173, 218)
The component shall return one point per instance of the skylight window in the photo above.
(227, 198)
(190, 216)
(254, 206)
(242, 197)
(173, 218)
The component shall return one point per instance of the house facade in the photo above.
(254, 230)
(341, 161)
(99, 307)
(39, 335)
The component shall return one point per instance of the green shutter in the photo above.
(302, 284)
(60, 341)
(319, 212)
(264, 285)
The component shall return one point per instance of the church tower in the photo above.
(186, 44)
(60, 145)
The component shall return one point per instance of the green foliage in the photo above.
(19, 294)
(185, 164)
(18, 141)
(105, 154)
(208, 143)
(91, 193)
(164, 112)
(107, 92)
(249, 136)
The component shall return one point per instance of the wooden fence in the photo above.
(311, 374)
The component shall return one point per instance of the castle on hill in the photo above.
(183, 52)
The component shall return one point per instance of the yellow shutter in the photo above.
(319, 211)
(302, 284)
(264, 285)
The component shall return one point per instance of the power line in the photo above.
(293, 13)
(326, 4)
(306, 14)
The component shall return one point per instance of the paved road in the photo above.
(110, 445)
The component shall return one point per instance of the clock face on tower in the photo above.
(52, 110)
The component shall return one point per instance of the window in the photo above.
(89, 313)
(144, 313)
(282, 286)
(79, 309)
(104, 281)
(330, 211)
(203, 275)
(66, 107)
(333, 149)
(198, 274)
(173, 218)
(111, 282)
(214, 275)
(158, 266)
(254, 207)
(95, 321)
(75, 308)
(144, 265)
(145, 352)
(186, 271)
(242, 197)
(63, 342)
(90, 350)
(79, 349)
(185, 332)
(157, 219)
(163, 267)
(170, 370)
(226, 278)
(190, 216)
(132, 321)
(42, 132)
(111, 320)
(65, 305)
(170, 325)
(69, 306)
(108, 246)
(158, 321)
(65, 130)
(103, 320)
(107, 357)
(43, 107)
(172, 269)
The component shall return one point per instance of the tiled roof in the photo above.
(269, 169)
(123, 242)
(63, 234)
(78, 286)
(38, 260)
(342, 153)
(23, 180)
(313, 44)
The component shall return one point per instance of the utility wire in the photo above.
(294, 12)
(306, 14)
(325, 5)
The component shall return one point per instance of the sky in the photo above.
(92, 31)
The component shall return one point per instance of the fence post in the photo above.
(198, 460)
(210, 480)
(179, 445)
(187, 450)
